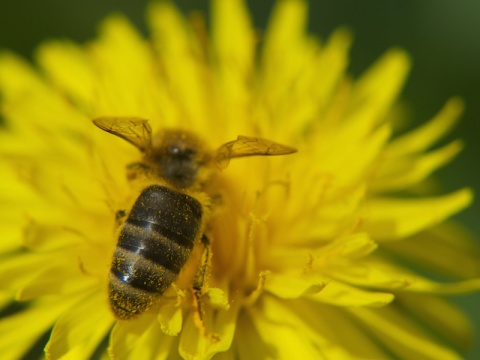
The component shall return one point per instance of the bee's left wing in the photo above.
(249, 146)
(136, 131)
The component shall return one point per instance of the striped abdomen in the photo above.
(154, 244)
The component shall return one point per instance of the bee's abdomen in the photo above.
(153, 246)
(148, 241)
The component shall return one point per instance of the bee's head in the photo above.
(179, 155)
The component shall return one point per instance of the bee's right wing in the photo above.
(136, 131)
(249, 146)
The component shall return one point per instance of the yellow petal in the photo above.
(17, 77)
(17, 270)
(337, 326)
(441, 249)
(420, 284)
(331, 66)
(21, 330)
(233, 45)
(229, 355)
(401, 173)
(170, 318)
(377, 89)
(401, 336)
(340, 294)
(346, 162)
(312, 88)
(5, 299)
(452, 324)
(233, 42)
(286, 27)
(70, 69)
(153, 344)
(388, 219)
(181, 56)
(218, 298)
(287, 336)
(12, 235)
(127, 87)
(376, 268)
(80, 330)
(354, 246)
(219, 323)
(25, 96)
(288, 55)
(330, 211)
(425, 136)
(74, 353)
(366, 273)
(291, 287)
(41, 235)
(248, 343)
(55, 280)
(125, 335)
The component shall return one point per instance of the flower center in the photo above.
(243, 229)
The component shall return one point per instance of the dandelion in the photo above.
(331, 252)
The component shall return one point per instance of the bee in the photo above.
(167, 219)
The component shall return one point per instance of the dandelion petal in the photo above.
(389, 219)
(80, 330)
(221, 323)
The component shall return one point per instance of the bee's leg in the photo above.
(120, 216)
(199, 289)
(137, 170)
(201, 277)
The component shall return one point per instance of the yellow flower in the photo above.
(318, 254)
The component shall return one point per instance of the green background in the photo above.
(441, 35)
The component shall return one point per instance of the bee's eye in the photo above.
(178, 152)
(173, 150)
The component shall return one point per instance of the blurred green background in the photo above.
(441, 35)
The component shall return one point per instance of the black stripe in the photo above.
(176, 236)
(140, 276)
(174, 212)
(156, 248)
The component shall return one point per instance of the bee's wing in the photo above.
(249, 146)
(136, 131)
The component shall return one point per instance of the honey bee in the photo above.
(167, 219)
